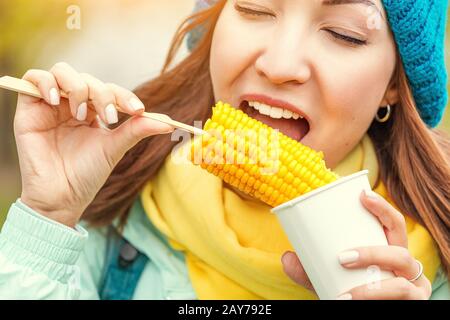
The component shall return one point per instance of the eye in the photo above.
(348, 39)
(252, 12)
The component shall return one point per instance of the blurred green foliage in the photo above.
(446, 122)
(4, 205)
(26, 27)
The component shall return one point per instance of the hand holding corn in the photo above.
(65, 156)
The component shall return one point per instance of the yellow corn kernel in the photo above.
(257, 159)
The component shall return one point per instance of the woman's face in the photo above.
(328, 61)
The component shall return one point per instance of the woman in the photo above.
(369, 81)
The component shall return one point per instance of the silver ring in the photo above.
(420, 273)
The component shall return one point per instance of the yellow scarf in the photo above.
(233, 246)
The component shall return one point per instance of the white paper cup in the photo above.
(326, 222)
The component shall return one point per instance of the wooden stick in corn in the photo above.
(258, 159)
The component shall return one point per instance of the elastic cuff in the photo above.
(30, 239)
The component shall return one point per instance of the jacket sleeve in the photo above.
(43, 259)
(441, 286)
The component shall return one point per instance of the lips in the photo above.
(295, 129)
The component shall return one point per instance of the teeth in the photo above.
(274, 112)
(255, 105)
(265, 109)
(287, 114)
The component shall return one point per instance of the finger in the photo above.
(47, 85)
(390, 289)
(393, 221)
(75, 87)
(126, 100)
(102, 98)
(294, 269)
(392, 258)
(131, 132)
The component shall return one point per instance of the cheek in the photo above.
(222, 57)
(231, 55)
(224, 50)
(354, 89)
(351, 93)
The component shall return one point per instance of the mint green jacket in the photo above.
(42, 259)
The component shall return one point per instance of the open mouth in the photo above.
(287, 122)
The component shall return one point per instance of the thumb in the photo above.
(294, 270)
(128, 134)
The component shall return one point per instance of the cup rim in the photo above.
(315, 192)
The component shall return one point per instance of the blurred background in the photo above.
(119, 41)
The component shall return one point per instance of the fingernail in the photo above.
(348, 256)
(345, 296)
(371, 194)
(136, 104)
(82, 112)
(54, 97)
(111, 114)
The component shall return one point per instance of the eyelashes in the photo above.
(348, 39)
(338, 36)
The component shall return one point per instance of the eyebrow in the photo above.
(368, 3)
(338, 2)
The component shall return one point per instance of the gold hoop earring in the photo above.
(386, 117)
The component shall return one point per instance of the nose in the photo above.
(285, 59)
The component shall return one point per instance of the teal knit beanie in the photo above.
(419, 31)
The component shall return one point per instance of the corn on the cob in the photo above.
(257, 159)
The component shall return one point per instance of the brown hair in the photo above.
(414, 160)
(415, 166)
